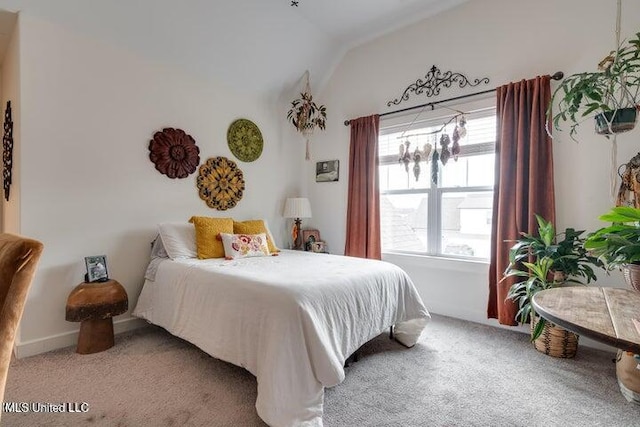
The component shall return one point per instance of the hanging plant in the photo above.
(611, 95)
(305, 115)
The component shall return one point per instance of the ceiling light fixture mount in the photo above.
(294, 3)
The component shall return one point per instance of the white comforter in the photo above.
(291, 320)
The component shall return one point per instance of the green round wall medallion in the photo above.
(245, 140)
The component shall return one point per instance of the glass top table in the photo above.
(607, 315)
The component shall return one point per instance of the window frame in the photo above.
(435, 192)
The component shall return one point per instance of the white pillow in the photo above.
(269, 235)
(179, 239)
(244, 245)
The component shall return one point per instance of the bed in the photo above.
(291, 320)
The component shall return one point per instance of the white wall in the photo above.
(88, 111)
(504, 40)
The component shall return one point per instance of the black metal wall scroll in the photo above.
(433, 81)
(7, 151)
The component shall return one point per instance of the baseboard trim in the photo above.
(67, 339)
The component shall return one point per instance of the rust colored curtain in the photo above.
(363, 203)
(524, 181)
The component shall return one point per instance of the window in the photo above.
(453, 217)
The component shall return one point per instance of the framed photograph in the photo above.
(96, 268)
(328, 171)
(309, 237)
(318, 247)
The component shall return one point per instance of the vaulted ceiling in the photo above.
(257, 46)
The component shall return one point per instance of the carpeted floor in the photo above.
(459, 374)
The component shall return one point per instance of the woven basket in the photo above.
(631, 273)
(555, 341)
(628, 376)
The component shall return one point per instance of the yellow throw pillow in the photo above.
(255, 226)
(208, 241)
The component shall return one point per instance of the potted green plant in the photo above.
(543, 261)
(611, 95)
(618, 245)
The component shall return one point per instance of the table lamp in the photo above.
(297, 207)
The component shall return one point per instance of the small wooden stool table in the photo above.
(94, 305)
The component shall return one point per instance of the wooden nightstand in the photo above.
(94, 305)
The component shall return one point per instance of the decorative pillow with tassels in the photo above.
(256, 226)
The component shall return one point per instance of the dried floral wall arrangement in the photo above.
(7, 151)
(174, 153)
(220, 183)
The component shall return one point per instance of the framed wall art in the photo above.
(328, 171)
(309, 237)
(96, 268)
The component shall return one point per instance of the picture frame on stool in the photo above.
(96, 268)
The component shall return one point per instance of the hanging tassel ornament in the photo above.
(455, 147)
(426, 150)
(416, 166)
(462, 127)
(444, 151)
(405, 156)
(434, 166)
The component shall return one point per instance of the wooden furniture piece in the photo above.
(19, 258)
(607, 315)
(94, 305)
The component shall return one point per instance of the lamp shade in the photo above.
(297, 207)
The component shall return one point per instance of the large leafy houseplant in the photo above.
(611, 94)
(547, 260)
(618, 245)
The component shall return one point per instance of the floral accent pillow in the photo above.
(256, 226)
(244, 245)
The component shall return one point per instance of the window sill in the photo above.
(441, 263)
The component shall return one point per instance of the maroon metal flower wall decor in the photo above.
(174, 153)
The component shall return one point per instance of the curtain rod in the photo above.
(558, 75)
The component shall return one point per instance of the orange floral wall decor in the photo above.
(220, 183)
